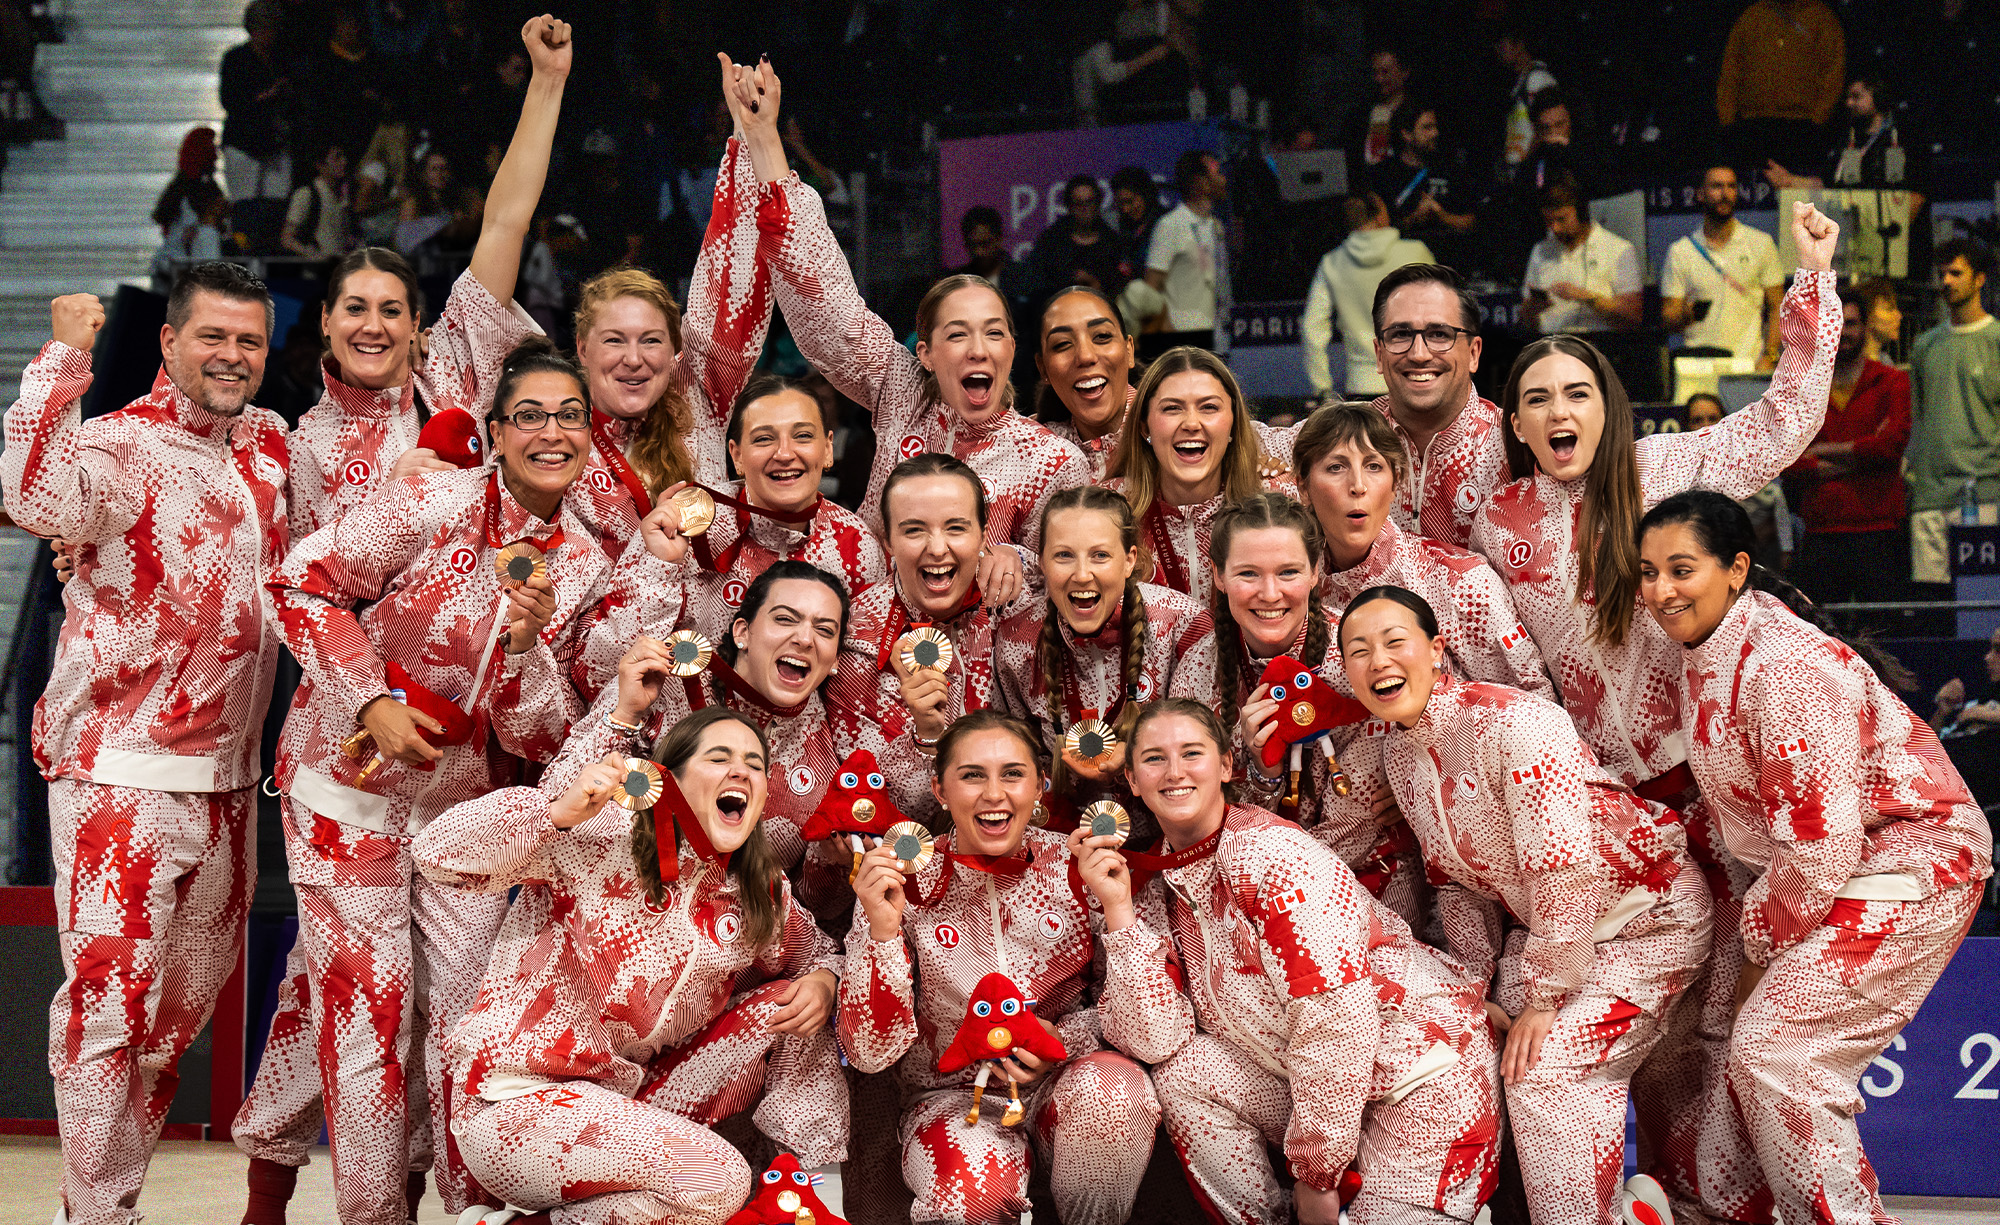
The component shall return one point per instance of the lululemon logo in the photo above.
(913, 446)
(733, 592)
(463, 560)
(358, 471)
(947, 936)
(1518, 554)
(600, 480)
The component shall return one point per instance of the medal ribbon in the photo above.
(1008, 866)
(725, 561)
(1146, 865)
(547, 544)
(621, 468)
(735, 684)
(899, 621)
(681, 813)
(1169, 569)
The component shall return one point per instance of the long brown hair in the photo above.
(1134, 459)
(755, 868)
(1608, 533)
(1049, 650)
(659, 444)
(927, 322)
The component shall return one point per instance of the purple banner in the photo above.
(1023, 175)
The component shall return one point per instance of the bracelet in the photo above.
(927, 747)
(630, 729)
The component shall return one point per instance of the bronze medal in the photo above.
(925, 647)
(911, 844)
(697, 509)
(1107, 819)
(690, 651)
(1090, 739)
(641, 787)
(519, 562)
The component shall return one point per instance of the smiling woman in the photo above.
(1087, 363)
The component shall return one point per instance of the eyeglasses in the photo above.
(1438, 338)
(532, 419)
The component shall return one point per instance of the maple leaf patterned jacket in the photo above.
(867, 699)
(1625, 700)
(1285, 955)
(1178, 662)
(1817, 773)
(1098, 451)
(590, 981)
(1018, 460)
(408, 578)
(1516, 817)
(642, 595)
(1174, 539)
(164, 666)
(902, 1000)
(1453, 474)
(346, 444)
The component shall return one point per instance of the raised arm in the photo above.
(55, 484)
(1752, 446)
(517, 186)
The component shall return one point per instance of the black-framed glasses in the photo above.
(532, 419)
(1438, 337)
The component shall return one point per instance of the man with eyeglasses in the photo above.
(1426, 349)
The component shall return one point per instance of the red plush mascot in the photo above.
(998, 1019)
(1308, 708)
(785, 1196)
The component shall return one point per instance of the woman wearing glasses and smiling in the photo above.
(435, 624)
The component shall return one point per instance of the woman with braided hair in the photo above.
(1267, 557)
(1191, 446)
(1080, 665)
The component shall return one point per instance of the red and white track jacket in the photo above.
(1018, 459)
(1283, 954)
(1817, 773)
(1515, 816)
(1626, 699)
(589, 981)
(1453, 475)
(1176, 538)
(164, 667)
(346, 444)
(408, 577)
(902, 1000)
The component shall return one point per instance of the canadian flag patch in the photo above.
(1532, 774)
(1793, 748)
(1375, 727)
(1284, 902)
(1514, 637)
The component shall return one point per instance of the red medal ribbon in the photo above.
(725, 561)
(1146, 865)
(899, 621)
(621, 468)
(1009, 866)
(1169, 570)
(547, 544)
(735, 684)
(681, 813)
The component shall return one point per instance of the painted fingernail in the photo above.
(753, 108)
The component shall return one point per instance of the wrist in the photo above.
(885, 933)
(623, 720)
(1119, 916)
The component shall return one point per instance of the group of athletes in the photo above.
(1344, 797)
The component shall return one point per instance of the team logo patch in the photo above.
(1465, 499)
(913, 446)
(463, 560)
(358, 471)
(733, 592)
(728, 926)
(1793, 748)
(1465, 787)
(801, 779)
(601, 481)
(1145, 687)
(1284, 903)
(1051, 924)
(947, 936)
(1518, 554)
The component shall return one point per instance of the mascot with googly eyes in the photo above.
(785, 1196)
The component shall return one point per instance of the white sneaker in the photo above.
(500, 1216)
(1643, 1201)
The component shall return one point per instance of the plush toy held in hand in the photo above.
(454, 436)
(998, 1019)
(856, 804)
(456, 723)
(784, 1195)
(1308, 709)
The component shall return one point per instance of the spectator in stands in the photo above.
(614, 214)
(382, 178)
(986, 255)
(1187, 264)
(1885, 319)
(1781, 78)
(1370, 135)
(1872, 150)
(1954, 412)
(441, 211)
(1343, 292)
(345, 87)
(1079, 249)
(1723, 284)
(1955, 715)
(1135, 203)
(1582, 277)
(1128, 73)
(192, 213)
(1423, 188)
(1531, 77)
(319, 222)
(254, 91)
(1850, 480)
(399, 29)
(1770, 514)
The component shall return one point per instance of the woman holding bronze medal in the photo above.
(968, 965)
(367, 428)
(1191, 446)
(1080, 665)
(655, 977)
(1311, 1020)
(435, 625)
(920, 647)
